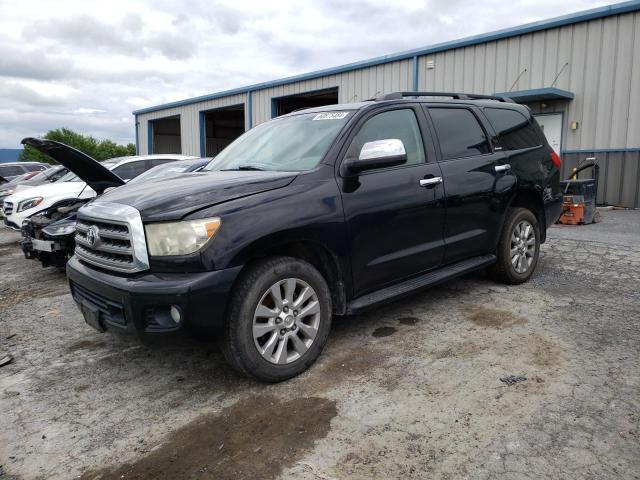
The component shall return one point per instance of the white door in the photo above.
(551, 125)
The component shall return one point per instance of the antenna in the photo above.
(516, 82)
(558, 75)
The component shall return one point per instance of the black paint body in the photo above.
(379, 227)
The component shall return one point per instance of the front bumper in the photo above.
(130, 304)
(15, 219)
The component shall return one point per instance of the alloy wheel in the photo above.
(523, 246)
(286, 321)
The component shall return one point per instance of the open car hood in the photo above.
(86, 168)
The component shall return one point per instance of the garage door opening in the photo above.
(222, 126)
(165, 135)
(288, 104)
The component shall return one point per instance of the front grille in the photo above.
(111, 236)
(111, 246)
(110, 311)
(7, 209)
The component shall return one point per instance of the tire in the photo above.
(527, 251)
(254, 316)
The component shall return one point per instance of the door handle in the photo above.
(503, 168)
(430, 182)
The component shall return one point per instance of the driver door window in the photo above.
(401, 124)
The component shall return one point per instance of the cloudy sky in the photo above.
(87, 64)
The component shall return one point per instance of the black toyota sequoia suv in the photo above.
(321, 212)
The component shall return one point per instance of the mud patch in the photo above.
(254, 438)
(383, 332)
(462, 349)
(545, 353)
(408, 320)
(494, 318)
(84, 345)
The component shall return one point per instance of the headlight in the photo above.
(29, 203)
(180, 238)
(60, 230)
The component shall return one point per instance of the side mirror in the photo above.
(378, 154)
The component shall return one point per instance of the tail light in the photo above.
(555, 158)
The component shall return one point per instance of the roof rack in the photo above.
(456, 96)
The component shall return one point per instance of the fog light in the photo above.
(176, 314)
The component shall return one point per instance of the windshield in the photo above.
(72, 177)
(43, 175)
(161, 171)
(286, 144)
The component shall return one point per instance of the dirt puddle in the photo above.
(254, 438)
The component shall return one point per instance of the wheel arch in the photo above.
(318, 254)
(531, 199)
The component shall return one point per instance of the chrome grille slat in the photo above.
(7, 208)
(111, 236)
(104, 246)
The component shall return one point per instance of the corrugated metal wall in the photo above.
(602, 59)
(597, 60)
(353, 86)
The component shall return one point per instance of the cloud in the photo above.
(126, 37)
(87, 65)
(29, 63)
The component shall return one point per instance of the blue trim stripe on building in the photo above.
(538, 94)
(586, 15)
(203, 135)
(137, 124)
(249, 112)
(602, 150)
(149, 137)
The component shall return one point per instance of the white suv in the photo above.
(23, 204)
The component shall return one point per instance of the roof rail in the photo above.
(456, 96)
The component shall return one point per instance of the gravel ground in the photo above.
(411, 390)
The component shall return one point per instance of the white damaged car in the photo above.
(25, 203)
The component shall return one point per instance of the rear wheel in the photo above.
(518, 248)
(279, 319)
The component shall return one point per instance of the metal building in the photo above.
(579, 73)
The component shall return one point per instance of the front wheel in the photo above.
(278, 319)
(518, 248)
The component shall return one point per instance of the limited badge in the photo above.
(331, 116)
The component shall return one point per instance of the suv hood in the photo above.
(86, 168)
(173, 199)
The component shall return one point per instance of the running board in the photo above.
(426, 280)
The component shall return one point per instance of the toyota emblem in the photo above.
(93, 235)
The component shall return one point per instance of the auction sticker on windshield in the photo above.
(331, 116)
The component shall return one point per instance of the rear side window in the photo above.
(459, 133)
(34, 168)
(154, 162)
(132, 169)
(514, 129)
(400, 124)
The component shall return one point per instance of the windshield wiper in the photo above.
(243, 167)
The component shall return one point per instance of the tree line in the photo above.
(97, 149)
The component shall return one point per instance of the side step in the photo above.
(428, 279)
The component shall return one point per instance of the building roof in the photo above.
(583, 16)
